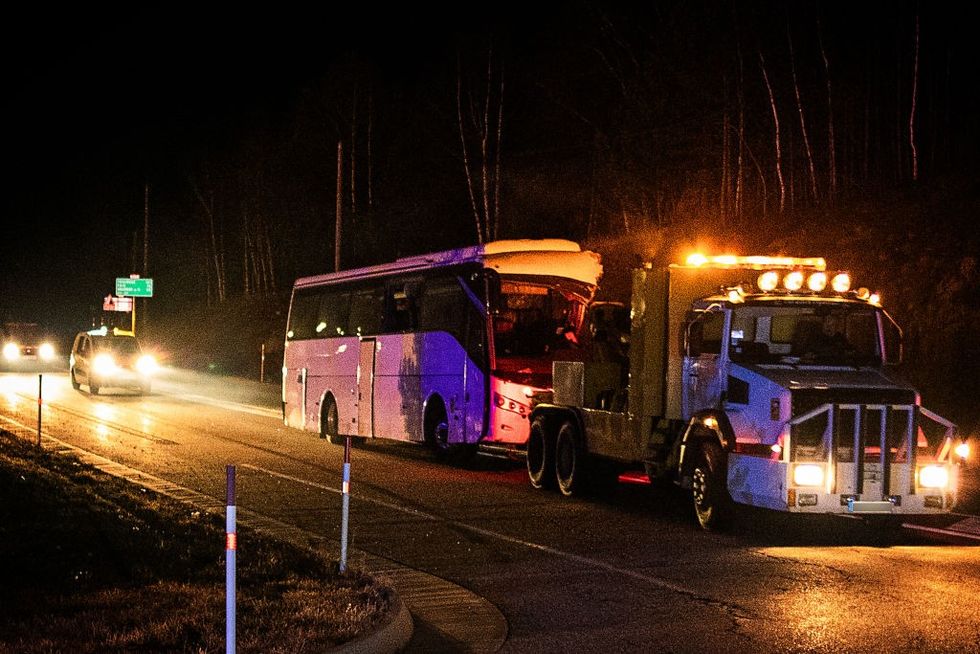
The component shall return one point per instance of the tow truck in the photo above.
(755, 380)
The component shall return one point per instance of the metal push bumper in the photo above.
(850, 476)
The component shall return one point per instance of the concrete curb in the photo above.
(393, 635)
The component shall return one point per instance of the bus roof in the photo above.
(545, 257)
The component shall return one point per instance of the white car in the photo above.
(109, 359)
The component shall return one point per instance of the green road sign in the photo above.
(130, 287)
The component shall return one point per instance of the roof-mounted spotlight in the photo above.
(793, 281)
(841, 282)
(817, 282)
(768, 281)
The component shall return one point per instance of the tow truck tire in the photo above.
(570, 460)
(712, 504)
(540, 456)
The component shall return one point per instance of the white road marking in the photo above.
(231, 406)
(584, 560)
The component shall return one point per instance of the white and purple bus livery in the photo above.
(451, 349)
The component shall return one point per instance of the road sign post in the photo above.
(134, 286)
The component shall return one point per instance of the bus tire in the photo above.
(709, 488)
(570, 460)
(540, 455)
(330, 423)
(436, 426)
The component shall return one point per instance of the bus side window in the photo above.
(401, 307)
(332, 318)
(303, 315)
(366, 308)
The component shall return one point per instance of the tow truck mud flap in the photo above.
(868, 506)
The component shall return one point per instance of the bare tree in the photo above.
(214, 248)
(481, 119)
(831, 142)
(799, 108)
(915, 88)
(778, 147)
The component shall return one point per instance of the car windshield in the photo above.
(121, 345)
(844, 335)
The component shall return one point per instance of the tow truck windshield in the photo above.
(805, 333)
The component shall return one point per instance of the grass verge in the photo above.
(92, 563)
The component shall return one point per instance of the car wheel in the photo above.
(93, 388)
(74, 382)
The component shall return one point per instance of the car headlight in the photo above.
(104, 364)
(11, 352)
(808, 474)
(933, 477)
(46, 351)
(146, 365)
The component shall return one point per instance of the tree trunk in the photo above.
(799, 108)
(778, 148)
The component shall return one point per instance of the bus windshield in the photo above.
(845, 335)
(535, 319)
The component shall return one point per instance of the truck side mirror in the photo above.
(693, 334)
(894, 350)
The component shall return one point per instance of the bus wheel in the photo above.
(436, 427)
(712, 504)
(540, 456)
(570, 460)
(329, 423)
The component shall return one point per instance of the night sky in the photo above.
(612, 115)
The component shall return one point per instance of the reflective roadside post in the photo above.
(345, 505)
(39, 402)
(231, 546)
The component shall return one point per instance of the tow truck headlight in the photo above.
(11, 352)
(808, 474)
(46, 351)
(146, 365)
(933, 477)
(104, 364)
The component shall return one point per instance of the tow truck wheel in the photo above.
(709, 487)
(570, 460)
(540, 456)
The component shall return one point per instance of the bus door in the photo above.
(365, 387)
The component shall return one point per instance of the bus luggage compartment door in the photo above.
(365, 388)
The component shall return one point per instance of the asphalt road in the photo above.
(631, 572)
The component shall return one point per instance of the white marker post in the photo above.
(39, 403)
(231, 547)
(345, 506)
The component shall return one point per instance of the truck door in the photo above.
(705, 372)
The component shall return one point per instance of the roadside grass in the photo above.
(92, 563)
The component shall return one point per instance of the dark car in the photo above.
(109, 359)
(25, 344)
